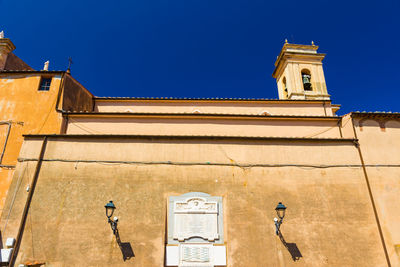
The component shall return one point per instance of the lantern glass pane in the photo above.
(280, 213)
(109, 211)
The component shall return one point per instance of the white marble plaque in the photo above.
(195, 231)
(196, 255)
(195, 217)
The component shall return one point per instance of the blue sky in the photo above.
(203, 48)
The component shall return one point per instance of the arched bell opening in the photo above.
(306, 78)
(285, 90)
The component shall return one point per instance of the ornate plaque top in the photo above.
(196, 205)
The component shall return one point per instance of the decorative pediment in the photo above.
(196, 205)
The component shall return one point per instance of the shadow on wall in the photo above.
(126, 248)
(292, 248)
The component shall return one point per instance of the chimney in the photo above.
(6, 46)
(46, 65)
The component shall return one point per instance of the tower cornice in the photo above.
(298, 56)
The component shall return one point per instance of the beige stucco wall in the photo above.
(380, 150)
(329, 217)
(316, 108)
(198, 125)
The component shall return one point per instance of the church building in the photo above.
(199, 182)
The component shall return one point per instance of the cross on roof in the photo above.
(69, 64)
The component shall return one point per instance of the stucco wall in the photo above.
(198, 125)
(317, 108)
(29, 111)
(380, 150)
(329, 217)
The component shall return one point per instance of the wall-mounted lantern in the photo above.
(110, 207)
(280, 211)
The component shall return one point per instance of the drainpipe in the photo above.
(93, 103)
(339, 124)
(60, 90)
(64, 125)
(371, 195)
(5, 142)
(27, 204)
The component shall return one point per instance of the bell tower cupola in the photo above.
(299, 74)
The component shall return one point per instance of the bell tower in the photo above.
(299, 74)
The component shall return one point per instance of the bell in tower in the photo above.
(299, 74)
(306, 81)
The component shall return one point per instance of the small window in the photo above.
(45, 84)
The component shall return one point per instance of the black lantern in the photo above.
(280, 211)
(110, 207)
